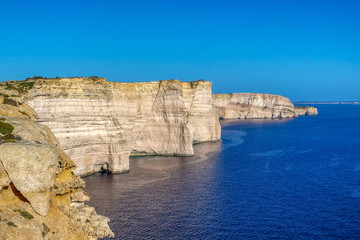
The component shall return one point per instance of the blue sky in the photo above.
(304, 50)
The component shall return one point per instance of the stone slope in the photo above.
(99, 123)
(253, 106)
(40, 197)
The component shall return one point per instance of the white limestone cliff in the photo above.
(253, 106)
(100, 123)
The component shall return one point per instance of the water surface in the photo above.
(268, 179)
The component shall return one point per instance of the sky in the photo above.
(304, 50)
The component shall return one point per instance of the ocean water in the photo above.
(268, 179)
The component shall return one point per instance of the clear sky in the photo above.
(304, 50)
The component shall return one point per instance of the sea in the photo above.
(267, 179)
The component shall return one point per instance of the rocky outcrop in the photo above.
(40, 197)
(305, 110)
(99, 123)
(253, 106)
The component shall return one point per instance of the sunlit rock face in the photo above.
(99, 123)
(305, 110)
(253, 106)
(40, 197)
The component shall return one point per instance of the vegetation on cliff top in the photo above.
(21, 88)
(94, 78)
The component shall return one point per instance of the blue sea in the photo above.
(267, 179)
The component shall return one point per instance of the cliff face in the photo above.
(40, 197)
(253, 106)
(305, 110)
(99, 123)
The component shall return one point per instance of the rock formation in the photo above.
(40, 197)
(253, 106)
(305, 110)
(100, 123)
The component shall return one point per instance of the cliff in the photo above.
(305, 110)
(40, 197)
(100, 123)
(253, 106)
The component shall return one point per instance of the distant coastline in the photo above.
(327, 102)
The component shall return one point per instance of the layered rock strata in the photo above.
(253, 106)
(305, 110)
(99, 123)
(40, 197)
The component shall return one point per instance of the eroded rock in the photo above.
(38, 186)
(31, 168)
(305, 110)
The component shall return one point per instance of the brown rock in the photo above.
(36, 185)
(31, 168)
(305, 110)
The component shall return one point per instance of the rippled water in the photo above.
(274, 179)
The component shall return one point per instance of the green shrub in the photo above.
(35, 77)
(23, 87)
(11, 224)
(25, 214)
(10, 138)
(193, 84)
(4, 95)
(46, 230)
(9, 86)
(94, 78)
(6, 128)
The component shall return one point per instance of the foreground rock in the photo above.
(253, 106)
(100, 123)
(40, 197)
(305, 110)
